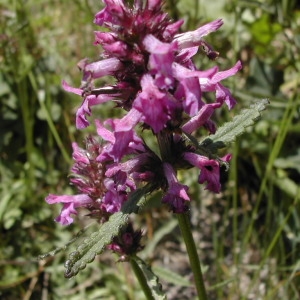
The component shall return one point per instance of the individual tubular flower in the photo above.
(122, 140)
(201, 118)
(154, 105)
(194, 38)
(209, 170)
(188, 89)
(89, 101)
(160, 61)
(176, 196)
(100, 68)
(70, 204)
(213, 84)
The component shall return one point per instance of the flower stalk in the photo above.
(141, 278)
(185, 228)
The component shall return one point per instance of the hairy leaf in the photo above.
(95, 244)
(231, 130)
(152, 280)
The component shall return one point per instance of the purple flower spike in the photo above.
(176, 196)
(103, 186)
(161, 90)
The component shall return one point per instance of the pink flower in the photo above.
(176, 196)
(114, 11)
(194, 38)
(122, 140)
(212, 84)
(209, 170)
(85, 109)
(160, 61)
(70, 205)
(201, 118)
(154, 105)
(101, 68)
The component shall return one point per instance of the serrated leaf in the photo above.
(95, 244)
(151, 278)
(231, 130)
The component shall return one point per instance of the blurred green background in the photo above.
(248, 236)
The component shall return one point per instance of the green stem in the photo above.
(185, 228)
(141, 278)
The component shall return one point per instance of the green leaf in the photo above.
(95, 244)
(172, 277)
(288, 162)
(287, 185)
(151, 278)
(231, 130)
(158, 236)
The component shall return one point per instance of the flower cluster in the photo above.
(161, 90)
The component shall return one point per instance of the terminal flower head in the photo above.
(151, 61)
(154, 80)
